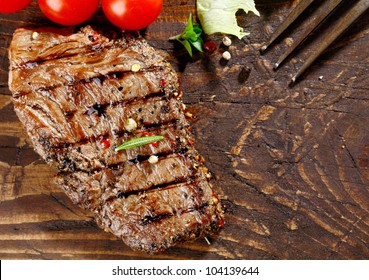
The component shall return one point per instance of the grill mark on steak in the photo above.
(144, 175)
(153, 219)
(105, 89)
(68, 70)
(64, 101)
(154, 237)
(110, 183)
(82, 126)
(153, 128)
(69, 102)
(177, 197)
(99, 108)
(120, 194)
(157, 218)
(128, 177)
(156, 208)
(89, 155)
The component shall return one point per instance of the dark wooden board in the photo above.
(290, 163)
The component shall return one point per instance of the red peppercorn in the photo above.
(146, 133)
(96, 36)
(163, 82)
(210, 46)
(105, 143)
(221, 222)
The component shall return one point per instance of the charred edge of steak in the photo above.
(54, 43)
(203, 223)
(50, 44)
(170, 209)
(199, 223)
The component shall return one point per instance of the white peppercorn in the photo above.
(227, 41)
(226, 55)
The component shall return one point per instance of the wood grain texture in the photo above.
(291, 163)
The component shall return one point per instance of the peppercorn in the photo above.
(226, 55)
(210, 46)
(226, 41)
(105, 143)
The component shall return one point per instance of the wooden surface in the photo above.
(291, 163)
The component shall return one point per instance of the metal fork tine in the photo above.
(300, 8)
(323, 13)
(356, 11)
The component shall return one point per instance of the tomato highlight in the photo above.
(68, 12)
(132, 14)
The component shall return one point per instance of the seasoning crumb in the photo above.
(153, 159)
(226, 55)
(320, 78)
(34, 35)
(135, 67)
(215, 200)
(292, 225)
(207, 240)
(227, 41)
(189, 115)
(130, 124)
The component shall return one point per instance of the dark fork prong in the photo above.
(322, 14)
(296, 12)
(354, 13)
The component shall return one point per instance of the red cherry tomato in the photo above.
(132, 14)
(12, 6)
(68, 12)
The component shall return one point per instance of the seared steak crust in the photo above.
(74, 93)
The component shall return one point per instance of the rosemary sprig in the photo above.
(133, 143)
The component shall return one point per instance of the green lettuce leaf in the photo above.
(220, 15)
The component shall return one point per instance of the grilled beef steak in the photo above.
(74, 93)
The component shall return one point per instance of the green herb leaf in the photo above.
(191, 36)
(139, 142)
(198, 45)
(187, 45)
